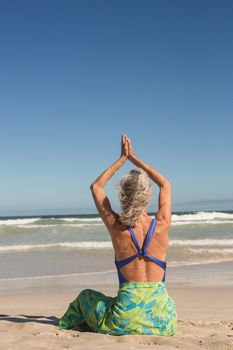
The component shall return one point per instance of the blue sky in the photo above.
(76, 74)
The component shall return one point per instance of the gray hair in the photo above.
(135, 193)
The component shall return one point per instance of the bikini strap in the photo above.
(150, 234)
(142, 250)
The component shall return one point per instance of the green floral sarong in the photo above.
(138, 308)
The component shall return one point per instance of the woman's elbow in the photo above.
(94, 187)
(167, 184)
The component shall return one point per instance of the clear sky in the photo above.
(75, 74)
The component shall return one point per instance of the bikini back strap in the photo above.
(158, 262)
(150, 234)
(134, 238)
(126, 261)
(142, 250)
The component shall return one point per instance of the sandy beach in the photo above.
(28, 321)
(45, 263)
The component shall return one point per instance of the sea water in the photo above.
(47, 247)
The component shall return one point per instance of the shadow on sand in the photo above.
(30, 318)
(41, 319)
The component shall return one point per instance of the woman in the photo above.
(142, 305)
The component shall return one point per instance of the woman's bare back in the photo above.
(141, 269)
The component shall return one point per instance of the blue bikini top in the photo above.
(141, 252)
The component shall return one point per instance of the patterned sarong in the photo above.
(138, 308)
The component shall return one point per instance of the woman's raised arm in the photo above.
(97, 187)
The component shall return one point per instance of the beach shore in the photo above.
(46, 261)
(28, 320)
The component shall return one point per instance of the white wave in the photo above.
(203, 217)
(88, 220)
(108, 244)
(38, 226)
(216, 222)
(76, 221)
(202, 262)
(177, 220)
(10, 222)
(82, 225)
(201, 242)
(82, 245)
(58, 276)
(59, 225)
(211, 250)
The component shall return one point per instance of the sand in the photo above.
(28, 319)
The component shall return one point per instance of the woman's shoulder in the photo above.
(117, 227)
(162, 225)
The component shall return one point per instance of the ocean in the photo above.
(67, 246)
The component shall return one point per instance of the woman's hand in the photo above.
(124, 147)
(131, 153)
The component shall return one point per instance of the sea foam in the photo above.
(10, 222)
(71, 245)
(177, 220)
(203, 217)
(108, 245)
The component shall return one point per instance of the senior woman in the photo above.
(142, 304)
